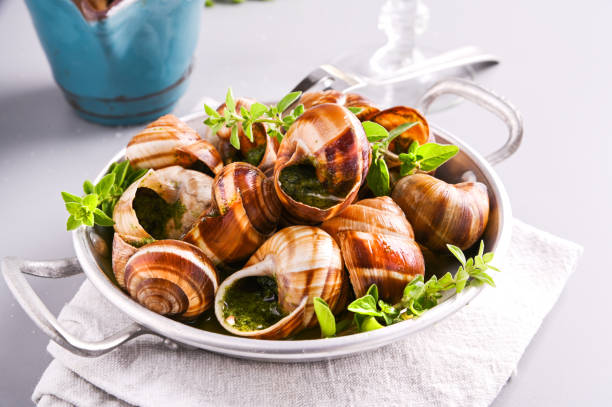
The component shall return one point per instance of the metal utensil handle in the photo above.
(487, 99)
(13, 269)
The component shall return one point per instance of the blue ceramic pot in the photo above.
(130, 66)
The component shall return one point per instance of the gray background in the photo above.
(556, 67)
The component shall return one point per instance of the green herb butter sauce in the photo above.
(154, 213)
(251, 304)
(254, 155)
(300, 183)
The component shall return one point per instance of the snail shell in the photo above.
(190, 190)
(396, 116)
(246, 211)
(310, 99)
(443, 213)
(122, 251)
(171, 277)
(330, 139)
(169, 141)
(261, 140)
(378, 246)
(306, 263)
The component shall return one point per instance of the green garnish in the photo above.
(427, 157)
(96, 207)
(327, 322)
(419, 295)
(272, 116)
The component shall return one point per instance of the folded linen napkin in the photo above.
(463, 360)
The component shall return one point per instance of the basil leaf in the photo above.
(389, 312)
(457, 253)
(103, 187)
(102, 219)
(461, 279)
(297, 112)
(88, 187)
(408, 163)
(73, 207)
(373, 291)
(249, 131)
(234, 140)
(369, 324)
(434, 155)
(374, 131)
(72, 223)
(210, 111)
(90, 202)
(71, 198)
(121, 172)
(487, 257)
(365, 305)
(287, 101)
(257, 109)
(230, 103)
(378, 178)
(244, 112)
(400, 129)
(89, 219)
(326, 318)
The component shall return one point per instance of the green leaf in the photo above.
(230, 103)
(102, 219)
(88, 220)
(103, 187)
(249, 131)
(373, 291)
(121, 171)
(90, 202)
(378, 178)
(88, 187)
(484, 277)
(400, 129)
(481, 249)
(389, 312)
(446, 282)
(244, 112)
(365, 305)
(369, 324)
(210, 111)
(71, 198)
(257, 109)
(493, 268)
(72, 223)
(234, 140)
(413, 147)
(487, 257)
(298, 111)
(434, 155)
(287, 101)
(461, 279)
(73, 207)
(408, 163)
(326, 318)
(457, 253)
(355, 110)
(374, 131)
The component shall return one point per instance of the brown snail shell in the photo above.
(310, 99)
(171, 277)
(306, 263)
(175, 185)
(121, 253)
(169, 141)
(260, 139)
(443, 213)
(378, 247)
(396, 116)
(246, 211)
(331, 139)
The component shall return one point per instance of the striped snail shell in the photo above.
(443, 213)
(169, 141)
(396, 116)
(185, 194)
(305, 262)
(322, 161)
(172, 278)
(260, 152)
(368, 109)
(378, 247)
(121, 253)
(245, 212)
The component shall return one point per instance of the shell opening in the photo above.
(300, 182)
(154, 213)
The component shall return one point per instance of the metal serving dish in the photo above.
(174, 333)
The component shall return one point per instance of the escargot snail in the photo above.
(322, 162)
(443, 213)
(368, 109)
(303, 262)
(169, 141)
(171, 277)
(261, 152)
(245, 212)
(378, 246)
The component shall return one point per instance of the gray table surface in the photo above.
(555, 68)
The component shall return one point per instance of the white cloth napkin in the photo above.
(462, 361)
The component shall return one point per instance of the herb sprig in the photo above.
(426, 157)
(97, 206)
(372, 313)
(273, 116)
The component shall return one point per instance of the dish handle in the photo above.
(487, 99)
(13, 269)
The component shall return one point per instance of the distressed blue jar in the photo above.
(127, 65)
